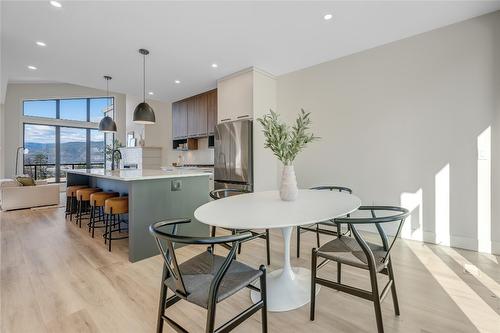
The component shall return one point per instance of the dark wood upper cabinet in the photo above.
(192, 118)
(195, 117)
(201, 115)
(211, 111)
(179, 120)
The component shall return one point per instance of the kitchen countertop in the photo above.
(140, 174)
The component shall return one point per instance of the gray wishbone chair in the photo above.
(316, 228)
(227, 192)
(356, 252)
(206, 279)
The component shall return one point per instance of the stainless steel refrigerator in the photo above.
(233, 155)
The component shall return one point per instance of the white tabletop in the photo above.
(266, 210)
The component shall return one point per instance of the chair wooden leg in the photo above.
(339, 272)
(163, 299)
(395, 301)
(263, 295)
(376, 300)
(298, 242)
(268, 247)
(312, 306)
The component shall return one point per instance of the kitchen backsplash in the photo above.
(203, 155)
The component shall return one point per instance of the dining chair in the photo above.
(356, 252)
(205, 279)
(227, 192)
(316, 227)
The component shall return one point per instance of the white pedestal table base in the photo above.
(288, 288)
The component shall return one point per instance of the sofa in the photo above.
(15, 196)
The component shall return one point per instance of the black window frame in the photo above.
(58, 107)
(87, 125)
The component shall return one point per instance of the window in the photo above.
(97, 108)
(70, 141)
(46, 109)
(96, 149)
(40, 161)
(73, 109)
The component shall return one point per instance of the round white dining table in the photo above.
(288, 288)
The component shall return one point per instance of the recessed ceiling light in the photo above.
(328, 17)
(177, 81)
(56, 4)
(40, 43)
(214, 65)
(151, 93)
(33, 68)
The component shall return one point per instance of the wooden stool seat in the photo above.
(97, 199)
(118, 205)
(84, 193)
(71, 190)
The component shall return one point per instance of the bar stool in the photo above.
(71, 200)
(113, 209)
(83, 202)
(97, 200)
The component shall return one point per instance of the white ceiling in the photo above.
(87, 39)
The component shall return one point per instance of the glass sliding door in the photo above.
(73, 150)
(97, 147)
(40, 161)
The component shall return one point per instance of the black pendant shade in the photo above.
(107, 124)
(143, 113)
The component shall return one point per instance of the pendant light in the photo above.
(107, 124)
(143, 113)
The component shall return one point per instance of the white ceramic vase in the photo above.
(288, 189)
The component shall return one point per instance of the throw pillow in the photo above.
(25, 181)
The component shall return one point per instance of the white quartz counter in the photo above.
(139, 174)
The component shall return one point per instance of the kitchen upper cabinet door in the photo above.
(192, 118)
(211, 111)
(201, 114)
(179, 120)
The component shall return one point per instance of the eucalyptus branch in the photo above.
(286, 143)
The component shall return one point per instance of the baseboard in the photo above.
(460, 242)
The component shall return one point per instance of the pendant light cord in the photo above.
(144, 77)
(107, 91)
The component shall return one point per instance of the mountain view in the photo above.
(71, 152)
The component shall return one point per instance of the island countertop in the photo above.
(139, 174)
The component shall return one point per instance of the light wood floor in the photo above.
(55, 278)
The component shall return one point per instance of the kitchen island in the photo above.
(154, 195)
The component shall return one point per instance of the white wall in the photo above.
(2, 141)
(17, 92)
(265, 164)
(130, 103)
(400, 124)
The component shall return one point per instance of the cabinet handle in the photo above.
(245, 116)
(225, 119)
